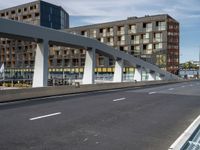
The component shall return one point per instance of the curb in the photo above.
(184, 137)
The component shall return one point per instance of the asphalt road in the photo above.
(130, 119)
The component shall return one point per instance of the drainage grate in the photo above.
(194, 141)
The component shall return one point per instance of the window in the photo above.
(94, 33)
(132, 37)
(37, 14)
(31, 7)
(158, 46)
(146, 38)
(101, 61)
(136, 39)
(121, 48)
(24, 17)
(144, 47)
(149, 46)
(123, 38)
(157, 37)
(110, 31)
(101, 30)
(161, 25)
(84, 33)
(147, 26)
(132, 28)
(75, 62)
(104, 32)
(82, 62)
(67, 62)
(121, 30)
(13, 12)
(136, 50)
(161, 59)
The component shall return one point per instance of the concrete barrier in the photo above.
(30, 93)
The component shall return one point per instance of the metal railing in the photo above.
(194, 142)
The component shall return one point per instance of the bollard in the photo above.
(77, 84)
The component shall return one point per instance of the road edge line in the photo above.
(183, 138)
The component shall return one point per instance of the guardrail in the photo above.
(181, 142)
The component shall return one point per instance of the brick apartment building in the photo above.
(152, 38)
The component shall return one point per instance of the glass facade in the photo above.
(53, 16)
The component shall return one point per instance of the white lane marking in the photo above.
(150, 93)
(171, 89)
(119, 99)
(45, 116)
(183, 86)
(191, 84)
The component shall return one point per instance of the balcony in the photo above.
(121, 42)
(104, 34)
(110, 43)
(147, 52)
(135, 41)
(110, 34)
(120, 32)
(157, 40)
(145, 40)
(148, 29)
(131, 31)
(161, 28)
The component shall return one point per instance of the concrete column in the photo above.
(90, 61)
(40, 77)
(152, 76)
(159, 77)
(138, 74)
(118, 74)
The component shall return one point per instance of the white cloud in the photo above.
(187, 12)
(117, 9)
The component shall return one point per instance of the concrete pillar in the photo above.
(90, 61)
(159, 77)
(118, 74)
(152, 76)
(138, 74)
(40, 77)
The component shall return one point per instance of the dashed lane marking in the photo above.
(150, 93)
(45, 116)
(119, 99)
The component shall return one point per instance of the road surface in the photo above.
(129, 119)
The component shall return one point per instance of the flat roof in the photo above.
(129, 19)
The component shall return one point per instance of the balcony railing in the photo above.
(145, 40)
(131, 31)
(135, 41)
(110, 34)
(121, 42)
(157, 40)
(148, 29)
(120, 32)
(110, 43)
(161, 28)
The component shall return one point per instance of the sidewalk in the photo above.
(8, 88)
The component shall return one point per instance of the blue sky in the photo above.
(83, 12)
